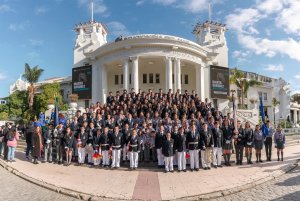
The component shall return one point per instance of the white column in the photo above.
(177, 75)
(95, 84)
(198, 78)
(102, 84)
(295, 116)
(126, 75)
(135, 74)
(202, 83)
(169, 83)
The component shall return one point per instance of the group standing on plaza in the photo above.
(170, 129)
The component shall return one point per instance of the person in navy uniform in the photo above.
(249, 140)
(68, 145)
(126, 137)
(268, 136)
(133, 148)
(180, 147)
(206, 145)
(239, 143)
(96, 140)
(91, 131)
(104, 147)
(168, 152)
(279, 140)
(158, 145)
(258, 143)
(218, 144)
(192, 143)
(227, 144)
(116, 144)
(59, 134)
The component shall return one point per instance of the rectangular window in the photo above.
(173, 78)
(181, 78)
(129, 78)
(144, 78)
(157, 80)
(116, 79)
(86, 103)
(122, 78)
(151, 78)
(265, 96)
(259, 94)
(186, 79)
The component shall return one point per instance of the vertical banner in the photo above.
(82, 82)
(219, 82)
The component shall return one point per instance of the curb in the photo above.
(90, 197)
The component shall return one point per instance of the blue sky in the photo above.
(263, 35)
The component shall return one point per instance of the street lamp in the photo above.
(232, 97)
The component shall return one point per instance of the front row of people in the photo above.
(176, 148)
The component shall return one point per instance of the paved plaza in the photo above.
(152, 184)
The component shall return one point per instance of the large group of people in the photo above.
(171, 129)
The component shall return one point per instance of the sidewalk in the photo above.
(152, 185)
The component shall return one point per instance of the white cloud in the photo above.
(36, 42)
(40, 10)
(243, 19)
(2, 76)
(5, 8)
(289, 17)
(140, 2)
(99, 6)
(297, 76)
(164, 2)
(18, 26)
(273, 68)
(270, 6)
(241, 56)
(117, 29)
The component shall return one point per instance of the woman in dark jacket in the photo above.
(36, 144)
(69, 141)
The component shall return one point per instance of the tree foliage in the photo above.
(32, 76)
(239, 79)
(17, 105)
(296, 98)
(47, 96)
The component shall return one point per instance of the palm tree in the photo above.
(239, 79)
(275, 102)
(32, 76)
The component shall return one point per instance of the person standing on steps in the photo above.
(192, 143)
(133, 149)
(268, 138)
(218, 144)
(37, 144)
(12, 141)
(279, 140)
(258, 143)
(227, 144)
(168, 152)
(249, 138)
(239, 143)
(69, 141)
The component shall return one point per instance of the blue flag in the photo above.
(264, 127)
(56, 120)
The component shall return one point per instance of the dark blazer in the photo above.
(192, 142)
(133, 144)
(217, 137)
(206, 139)
(69, 141)
(159, 140)
(168, 148)
(180, 142)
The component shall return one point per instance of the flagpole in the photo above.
(92, 10)
(234, 111)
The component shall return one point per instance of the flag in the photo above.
(264, 128)
(56, 113)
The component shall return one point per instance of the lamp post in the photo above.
(232, 97)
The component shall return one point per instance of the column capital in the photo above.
(133, 58)
(177, 59)
(167, 58)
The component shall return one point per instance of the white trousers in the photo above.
(90, 151)
(116, 156)
(168, 163)
(134, 159)
(194, 159)
(81, 154)
(181, 160)
(160, 157)
(217, 155)
(105, 158)
(125, 153)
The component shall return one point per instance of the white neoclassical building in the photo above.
(150, 61)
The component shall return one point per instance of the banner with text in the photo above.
(219, 82)
(82, 82)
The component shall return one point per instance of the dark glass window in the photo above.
(144, 78)
(122, 79)
(186, 79)
(157, 79)
(116, 79)
(151, 78)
